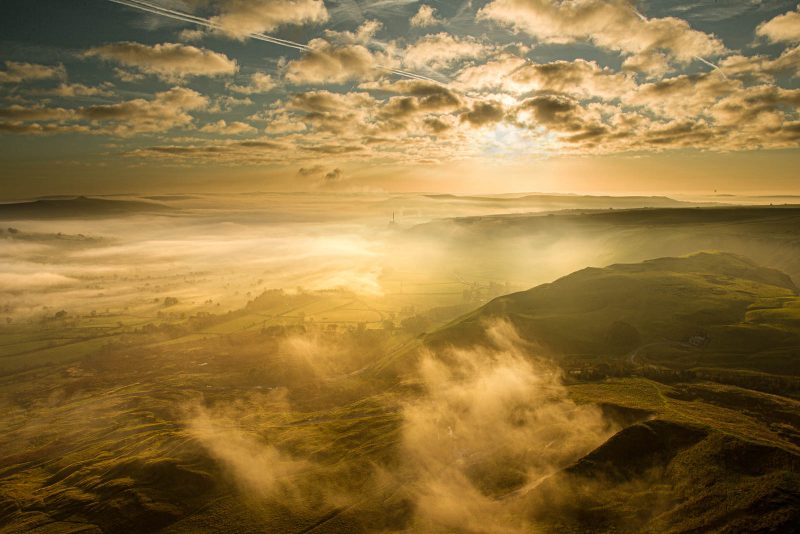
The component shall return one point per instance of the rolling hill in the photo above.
(240, 430)
(701, 455)
(77, 207)
(707, 309)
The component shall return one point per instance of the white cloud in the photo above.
(78, 89)
(169, 61)
(783, 28)
(24, 72)
(226, 128)
(239, 18)
(326, 63)
(425, 17)
(579, 77)
(166, 110)
(259, 83)
(611, 24)
(442, 50)
(363, 34)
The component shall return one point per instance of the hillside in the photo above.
(671, 338)
(547, 246)
(708, 309)
(253, 421)
(696, 480)
(77, 207)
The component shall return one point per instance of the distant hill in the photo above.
(554, 202)
(669, 216)
(546, 246)
(77, 207)
(704, 309)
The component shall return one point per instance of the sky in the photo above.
(591, 96)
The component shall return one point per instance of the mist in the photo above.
(482, 427)
(318, 362)
(493, 422)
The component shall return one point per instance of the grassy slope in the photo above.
(748, 313)
(712, 457)
(105, 445)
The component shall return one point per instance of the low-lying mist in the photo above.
(481, 428)
(493, 422)
(224, 250)
(283, 361)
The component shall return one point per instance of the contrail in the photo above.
(712, 65)
(698, 58)
(186, 17)
(155, 9)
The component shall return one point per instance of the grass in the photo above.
(98, 438)
(739, 306)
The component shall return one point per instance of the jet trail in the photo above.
(712, 65)
(155, 9)
(698, 58)
(186, 17)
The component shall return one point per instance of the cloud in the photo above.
(191, 35)
(259, 83)
(282, 123)
(484, 113)
(34, 113)
(492, 74)
(326, 63)
(684, 95)
(226, 103)
(316, 170)
(335, 122)
(34, 128)
(169, 61)
(432, 96)
(614, 25)
(128, 75)
(67, 90)
(652, 63)
(25, 72)
(762, 107)
(760, 67)
(321, 102)
(579, 77)
(442, 50)
(334, 176)
(252, 151)
(783, 28)
(438, 125)
(425, 17)
(556, 112)
(226, 128)
(166, 110)
(577, 125)
(363, 34)
(239, 18)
